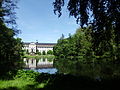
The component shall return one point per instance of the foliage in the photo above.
(77, 46)
(39, 56)
(10, 50)
(27, 52)
(43, 53)
(17, 84)
(24, 80)
(10, 47)
(26, 74)
(85, 46)
(8, 14)
(50, 52)
(59, 82)
(103, 12)
(102, 15)
(39, 53)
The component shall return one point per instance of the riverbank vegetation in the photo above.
(85, 46)
(38, 56)
(10, 47)
(30, 80)
(49, 52)
(84, 54)
(23, 80)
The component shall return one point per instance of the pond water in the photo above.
(96, 70)
(42, 65)
(47, 70)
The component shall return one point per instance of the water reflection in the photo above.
(38, 63)
(97, 70)
(47, 70)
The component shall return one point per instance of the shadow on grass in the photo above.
(10, 88)
(66, 82)
(69, 82)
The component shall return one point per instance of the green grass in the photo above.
(20, 84)
(58, 82)
(24, 80)
(39, 56)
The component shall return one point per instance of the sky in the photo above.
(37, 21)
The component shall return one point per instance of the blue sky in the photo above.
(37, 21)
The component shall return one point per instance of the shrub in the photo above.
(43, 53)
(26, 74)
(50, 52)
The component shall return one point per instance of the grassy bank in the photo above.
(38, 56)
(24, 80)
(20, 84)
(29, 80)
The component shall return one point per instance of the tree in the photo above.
(77, 46)
(8, 14)
(50, 52)
(58, 49)
(101, 14)
(10, 47)
(39, 53)
(104, 12)
(10, 51)
(43, 53)
(27, 51)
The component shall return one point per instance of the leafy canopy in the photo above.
(103, 15)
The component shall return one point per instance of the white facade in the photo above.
(33, 47)
(44, 49)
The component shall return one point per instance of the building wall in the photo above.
(32, 47)
(44, 49)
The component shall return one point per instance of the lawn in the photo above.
(20, 84)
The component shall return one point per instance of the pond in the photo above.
(42, 65)
(96, 70)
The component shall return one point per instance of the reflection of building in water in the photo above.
(33, 47)
(33, 63)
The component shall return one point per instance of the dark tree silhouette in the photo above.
(7, 12)
(104, 12)
(10, 47)
(102, 15)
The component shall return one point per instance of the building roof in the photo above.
(26, 43)
(41, 44)
(46, 43)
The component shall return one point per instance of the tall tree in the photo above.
(7, 13)
(103, 15)
(10, 47)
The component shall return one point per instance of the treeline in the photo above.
(87, 45)
(49, 52)
(10, 47)
(10, 51)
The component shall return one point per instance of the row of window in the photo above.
(44, 47)
(40, 47)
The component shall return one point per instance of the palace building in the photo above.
(33, 47)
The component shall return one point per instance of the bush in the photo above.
(26, 74)
(50, 52)
(43, 53)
